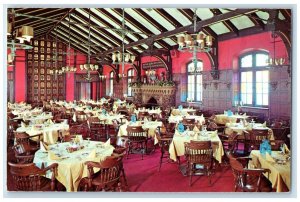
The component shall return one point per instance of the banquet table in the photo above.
(178, 118)
(38, 119)
(71, 168)
(280, 172)
(49, 131)
(176, 148)
(150, 125)
(150, 111)
(223, 118)
(184, 111)
(240, 128)
(110, 117)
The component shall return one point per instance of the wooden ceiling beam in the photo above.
(227, 23)
(168, 17)
(62, 18)
(47, 14)
(188, 13)
(79, 37)
(203, 23)
(117, 21)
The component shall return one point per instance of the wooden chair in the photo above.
(276, 144)
(28, 177)
(254, 137)
(12, 126)
(249, 180)
(97, 128)
(106, 179)
(120, 151)
(143, 115)
(82, 129)
(190, 123)
(198, 153)
(24, 153)
(164, 144)
(24, 138)
(137, 137)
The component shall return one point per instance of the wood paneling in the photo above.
(41, 85)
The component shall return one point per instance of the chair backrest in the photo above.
(199, 152)
(21, 137)
(82, 129)
(212, 126)
(27, 177)
(136, 133)
(280, 133)
(109, 173)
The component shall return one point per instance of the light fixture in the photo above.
(88, 67)
(68, 68)
(196, 42)
(102, 77)
(150, 72)
(122, 58)
(273, 61)
(122, 76)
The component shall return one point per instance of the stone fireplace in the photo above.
(148, 94)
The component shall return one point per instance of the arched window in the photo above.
(111, 83)
(194, 81)
(130, 76)
(254, 79)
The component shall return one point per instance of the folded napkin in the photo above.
(43, 146)
(145, 119)
(79, 138)
(286, 149)
(74, 117)
(264, 124)
(196, 129)
(23, 125)
(214, 133)
(269, 158)
(53, 156)
(50, 121)
(92, 154)
(244, 114)
(107, 143)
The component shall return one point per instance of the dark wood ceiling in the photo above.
(157, 28)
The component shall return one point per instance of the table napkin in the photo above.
(286, 149)
(269, 158)
(53, 156)
(74, 117)
(264, 124)
(92, 154)
(107, 143)
(23, 125)
(196, 129)
(244, 114)
(43, 146)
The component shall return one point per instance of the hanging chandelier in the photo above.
(122, 58)
(275, 61)
(68, 68)
(54, 72)
(196, 42)
(88, 67)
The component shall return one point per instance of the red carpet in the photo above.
(143, 176)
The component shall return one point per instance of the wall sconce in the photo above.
(122, 76)
(274, 85)
(205, 85)
(102, 77)
(216, 85)
(228, 85)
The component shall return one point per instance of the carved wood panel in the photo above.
(41, 85)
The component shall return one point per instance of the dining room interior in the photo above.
(160, 99)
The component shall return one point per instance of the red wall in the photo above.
(230, 50)
(20, 72)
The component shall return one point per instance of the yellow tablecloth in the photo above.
(50, 132)
(223, 119)
(177, 145)
(71, 168)
(151, 125)
(233, 127)
(280, 174)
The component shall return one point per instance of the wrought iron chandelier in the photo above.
(122, 58)
(88, 67)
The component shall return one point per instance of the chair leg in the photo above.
(124, 177)
(190, 168)
(161, 158)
